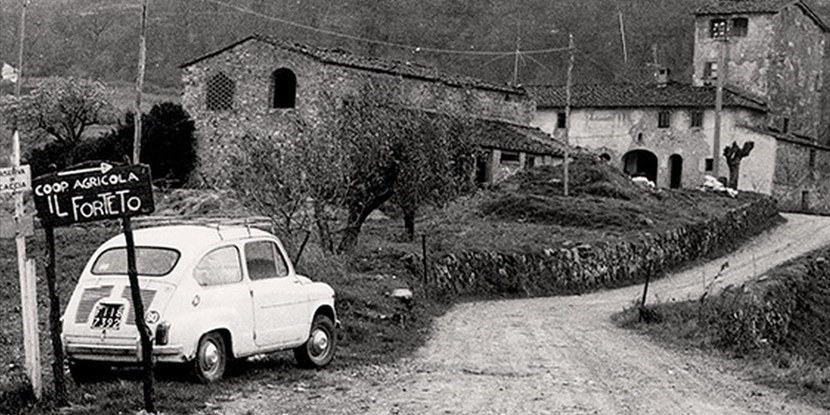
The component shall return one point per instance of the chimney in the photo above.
(662, 76)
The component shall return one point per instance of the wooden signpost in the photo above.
(16, 180)
(89, 192)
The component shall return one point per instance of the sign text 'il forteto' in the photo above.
(88, 192)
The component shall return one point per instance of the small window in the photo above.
(785, 125)
(561, 120)
(283, 88)
(530, 162)
(697, 119)
(739, 27)
(812, 158)
(219, 267)
(710, 71)
(640, 138)
(264, 261)
(663, 119)
(717, 28)
(709, 164)
(220, 92)
(509, 157)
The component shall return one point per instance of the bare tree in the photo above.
(734, 155)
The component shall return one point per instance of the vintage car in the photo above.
(210, 294)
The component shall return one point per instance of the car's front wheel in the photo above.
(211, 358)
(318, 350)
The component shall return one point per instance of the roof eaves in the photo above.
(320, 55)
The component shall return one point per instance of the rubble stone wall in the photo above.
(585, 267)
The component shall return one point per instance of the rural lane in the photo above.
(556, 355)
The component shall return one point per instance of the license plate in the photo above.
(108, 316)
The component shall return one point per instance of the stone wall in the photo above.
(583, 267)
(781, 59)
(321, 90)
(800, 186)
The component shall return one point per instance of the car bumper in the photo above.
(121, 353)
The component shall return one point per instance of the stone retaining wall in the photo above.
(582, 268)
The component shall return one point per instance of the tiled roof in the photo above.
(393, 67)
(640, 96)
(757, 7)
(506, 136)
(743, 6)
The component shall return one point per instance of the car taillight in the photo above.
(162, 333)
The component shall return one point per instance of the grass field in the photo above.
(526, 212)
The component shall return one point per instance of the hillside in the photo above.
(99, 38)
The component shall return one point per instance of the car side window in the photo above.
(264, 260)
(220, 266)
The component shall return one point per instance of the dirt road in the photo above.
(558, 355)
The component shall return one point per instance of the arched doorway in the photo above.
(675, 171)
(640, 163)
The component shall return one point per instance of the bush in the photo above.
(167, 145)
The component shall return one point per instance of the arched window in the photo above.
(220, 91)
(283, 88)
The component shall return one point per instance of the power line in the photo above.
(413, 48)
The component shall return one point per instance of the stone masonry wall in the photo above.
(321, 89)
(781, 59)
(587, 267)
(797, 186)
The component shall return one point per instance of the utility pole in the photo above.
(568, 110)
(516, 59)
(723, 44)
(622, 36)
(139, 84)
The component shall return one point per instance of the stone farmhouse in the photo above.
(775, 74)
(256, 88)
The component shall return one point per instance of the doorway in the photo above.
(641, 163)
(675, 171)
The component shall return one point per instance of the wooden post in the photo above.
(55, 318)
(141, 324)
(139, 84)
(568, 110)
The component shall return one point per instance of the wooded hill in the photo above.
(98, 38)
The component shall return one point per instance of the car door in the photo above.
(222, 295)
(280, 302)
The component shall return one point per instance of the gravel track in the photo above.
(557, 355)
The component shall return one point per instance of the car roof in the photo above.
(188, 239)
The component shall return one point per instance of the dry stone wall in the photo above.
(585, 267)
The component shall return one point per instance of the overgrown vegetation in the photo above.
(378, 154)
(780, 323)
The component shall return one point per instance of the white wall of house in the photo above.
(618, 131)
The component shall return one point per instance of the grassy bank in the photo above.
(778, 325)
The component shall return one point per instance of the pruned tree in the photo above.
(734, 154)
(62, 108)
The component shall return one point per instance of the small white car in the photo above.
(210, 294)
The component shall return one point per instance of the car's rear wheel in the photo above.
(318, 350)
(211, 358)
(85, 371)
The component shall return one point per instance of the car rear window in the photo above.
(149, 261)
